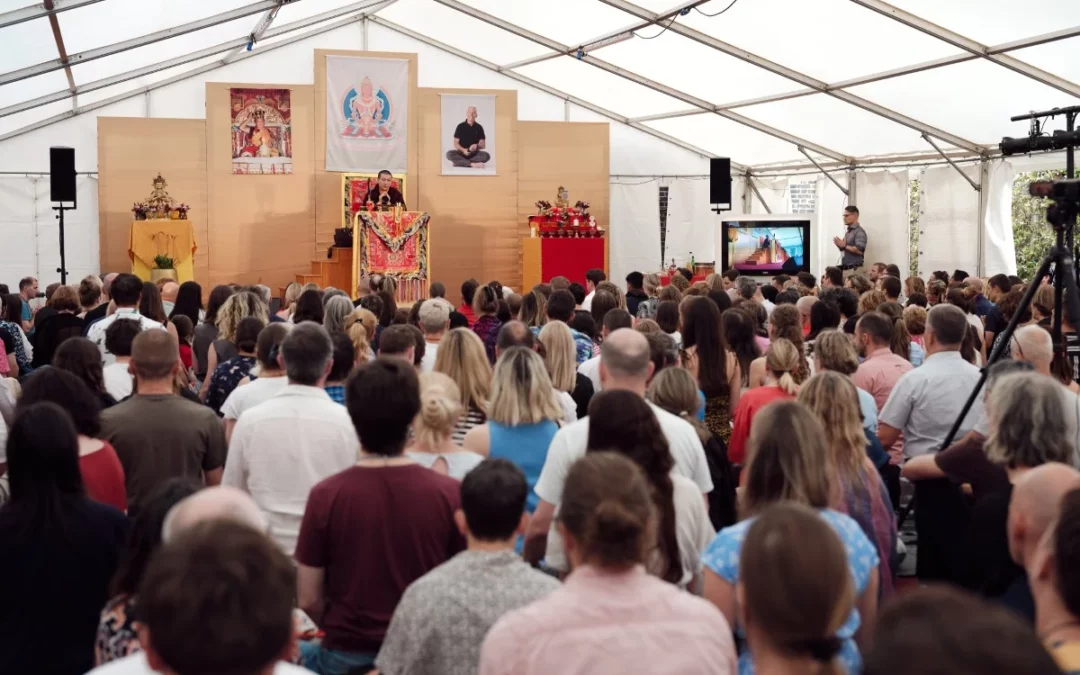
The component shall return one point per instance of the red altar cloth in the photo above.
(547, 257)
(665, 279)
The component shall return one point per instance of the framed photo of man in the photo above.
(468, 135)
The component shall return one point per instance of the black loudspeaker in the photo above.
(62, 174)
(720, 180)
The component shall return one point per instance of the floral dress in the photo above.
(17, 339)
(225, 378)
(487, 327)
(116, 637)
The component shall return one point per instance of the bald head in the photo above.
(215, 503)
(106, 283)
(625, 361)
(513, 334)
(975, 283)
(805, 304)
(1035, 503)
(169, 291)
(1034, 345)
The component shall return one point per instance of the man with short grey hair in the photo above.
(746, 287)
(434, 322)
(281, 448)
(625, 364)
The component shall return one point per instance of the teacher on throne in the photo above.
(385, 195)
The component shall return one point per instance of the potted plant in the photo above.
(164, 268)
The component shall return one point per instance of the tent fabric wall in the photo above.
(691, 226)
(883, 212)
(635, 240)
(773, 191)
(830, 204)
(948, 225)
(999, 248)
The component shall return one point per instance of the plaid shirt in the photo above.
(336, 392)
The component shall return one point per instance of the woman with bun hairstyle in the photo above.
(795, 591)
(610, 611)
(433, 445)
(785, 323)
(781, 362)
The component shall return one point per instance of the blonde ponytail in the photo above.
(782, 360)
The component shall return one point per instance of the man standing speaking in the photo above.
(853, 244)
(469, 143)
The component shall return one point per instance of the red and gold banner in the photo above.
(395, 244)
(355, 188)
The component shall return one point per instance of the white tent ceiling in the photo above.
(849, 82)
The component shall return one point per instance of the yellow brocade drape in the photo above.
(173, 238)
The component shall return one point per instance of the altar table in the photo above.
(172, 238)
(547, 257)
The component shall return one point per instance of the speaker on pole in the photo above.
(62, 174)
(720, 180)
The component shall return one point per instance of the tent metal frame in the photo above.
(831, 160)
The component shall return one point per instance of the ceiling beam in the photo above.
(142, 41)
(801, 78)
(528, 81)
(40, 11)
(260, 29)
(58, 37)
(641, 80)
(971, 46)
(240, 42)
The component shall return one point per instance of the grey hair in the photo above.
(263, 292)
(1027, 422)
(331, 292)
(307, 351)
(1006, 367)
(337, 308)
(746, 286)
(213, 503)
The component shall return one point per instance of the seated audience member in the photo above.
(126, 292)
(917, 300)
(610, 610)
(667, 316)
(309, 307)
(238, 307)
(635, 292)
(737, 327)
(283, 447)
(206, 331)
(592, 278)
(787, 461)
(349, 586)
(397, 341)
(1018, 404)
(90, 293)
(926, 401)
(77, 357)
(437, 290)
(443, 617)
(891, 287)
(939, 629)
(187, 438)
(781, 361)
(102, 474)
(486, 327)
(533, 311)
(795, 591)
(902, 344)
(574, 388)
(881, 368)
(462, 358)
(560, 308)
(863, 495)
(833, 351)
(523, 416)
(646, 308)
(915, 322)
(1053, 570)
(225, 378)
(674, 390)
(624, 365)
(269, 383)
(603, 302)
(334, 312)
(804, 305)
(116, 636)
(1036, 503)
(707, 358)
(824, 315)
(434, 322)
(624, 424)
(468, 294)
(64, 323)
(342, 361)
(118, 339)
(433, 429)
(514, 334)
(239, 613)
(784, 323)
(361, 327)
(58, 549)
(185, 334)
(613, 321)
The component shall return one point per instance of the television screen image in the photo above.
(766, 247)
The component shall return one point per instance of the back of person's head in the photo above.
(126, 290)
(440, 408)
(662, 350)
(701, 330)
(268, 346)
(247, 334)
(150, 304)
(559, 283)
(306, 353)
(391, 387)
(120, 334)
(577, 291)
(89, 292)
(824, 315)
(1065, 542)
(947, 325)
(957, 297)
(1028, 422)
(603, 302)
(871, 300)
(900, 342)
(769, 292)
(595, 276)
(804, 304)
(806, 279)
(43, 469)
(786, 322)
(832, 397)
(940, 275)
(670, 293)
(786, 460)
(68, 391)
(185, 331)
(533, 309)
(1001, 282)
(891, 286)
(782, 360)
(1033, 344)
(155, 355)
(915, 320)
(309, 307)
(514, 334)
(635, 280)
(334, 312)
(917, 299)
(435, 316)
(521, 390)
(939, 629)
(625, 356)
(344, 356)
(486, 300)
(675, 390)
(606, 514)
(560, 306)
(788, 297)
(213, 503)
(144, 537)
(833, 351)
(616, 319)
(243, 305)
(583, 323)
(794, 590)
(835, 276)
(468, 291)
(396, 340)
(222, 586)
(915, 284)
(493, 500)
(64, 299)
(747, 287)
(667, 316)
(218, 296)
(560, 355)
(461, 355)
(877, 327)
(437, 290)
(1010, 305)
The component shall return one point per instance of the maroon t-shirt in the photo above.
(375, 531)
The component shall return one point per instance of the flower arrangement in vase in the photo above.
(183, 209)
(140, 209)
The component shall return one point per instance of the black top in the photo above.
(51, 332)
(468, 135)
(582, 394)
(395, 197)
(53, 588)
(43, 314)
(991, 570)
(995, 323)
(634, 299)
(8, 340)
(96, 314)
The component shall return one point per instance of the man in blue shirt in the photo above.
(28, 290)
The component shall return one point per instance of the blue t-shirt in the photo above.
(918, 354)
(526, 445)
(722, 557)
(27, 313)
(701, 405)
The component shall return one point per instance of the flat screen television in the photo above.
(765, 245)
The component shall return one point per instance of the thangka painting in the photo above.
(396, 245)
(355, 189)
(261, 131)
(367, 114)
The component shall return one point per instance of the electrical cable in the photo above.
(698, 10)
(653, 37)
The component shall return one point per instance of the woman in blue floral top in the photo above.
(227, 376)
(485, 305)
(788, 461)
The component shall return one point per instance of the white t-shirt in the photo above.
(136, 665)
(431, 350)
(569, 407)
(591, 370)
(96, 333)
(586, 304)
(282, 448)
(253, 393)
(118, 380)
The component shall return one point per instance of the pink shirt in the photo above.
(879, 373)
(612, 623)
